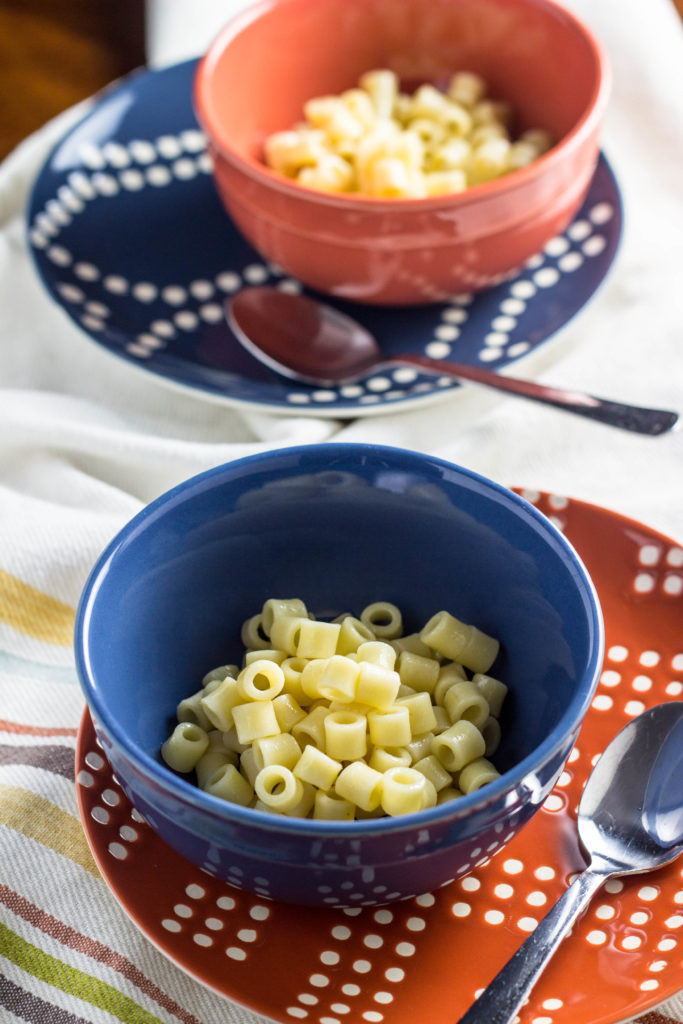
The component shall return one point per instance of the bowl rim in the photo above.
(265, 176)
(186, 792)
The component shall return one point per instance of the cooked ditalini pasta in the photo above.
(460, 642)
(316, 767)
(377, 652)
(255, 719)
(278, 787)
(465, 700)
(328, 807)
(406, 790)
(360, 784)
(389, 728)
(346, 735)
(185, 746)
(218, 704)
(477, 774)
(383, 618)
(376, 140)
(344, 719)
(352, 633)
(493, 690)
(459, 745)
(418, 671)
(229, 784)
(262, 679)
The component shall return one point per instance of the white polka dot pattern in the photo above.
(360, 964)
(172, 165)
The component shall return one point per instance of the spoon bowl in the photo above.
(630, 820)
(312, 342)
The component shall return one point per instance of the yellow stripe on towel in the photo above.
(35, 613)
(39, 819)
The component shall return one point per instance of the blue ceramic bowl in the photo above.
(339, 525)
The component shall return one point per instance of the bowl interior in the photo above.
(279, 55)
(339, 526)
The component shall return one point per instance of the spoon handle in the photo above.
(617, 414)
(502, 998)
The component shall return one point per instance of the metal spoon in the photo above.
(314, 343)
(630, 820)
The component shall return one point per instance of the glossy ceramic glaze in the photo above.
(339, 526)
(265, 64)
(366, 964)
(130, 239)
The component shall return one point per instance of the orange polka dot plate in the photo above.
(371, 965)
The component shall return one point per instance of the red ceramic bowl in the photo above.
(268, 61)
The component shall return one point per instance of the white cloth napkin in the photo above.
(86, 441)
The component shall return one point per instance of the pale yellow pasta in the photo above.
(421, 712)
(248, 765)
(317, 639)
(442, 718)
(382, 87)
(439, 183)
(278, 788)
(489, 160)
(281, 749)
(418, 671)
(382, 758)
(352, 634)
(377, 652)
(459, 745)
(405, 790)
(229, 784)
(411, 642)
(491, 732)
(383, 618)
(347, 718)
(261, 680)
(255, 719)
(252, 635)
(449, 673)
(476, 774)
(220, 673)
(288, 711)
(217, 706)
(264, 654)
(376, 140)
(465, 700)
(432, 769)
(285, 633)
(209, 763)
(460, 642)
(273, 608)
(292, 668)
(328, 807)
(450, 793)
(311, 729)
(377, 686)
(493, 690)
(332, 173)
(420, 746)
(389, 728)
(338, 679)
(466, 88)
(317, 768)
(190, 709)
(185, 746)
(345, 735)
(360, 784)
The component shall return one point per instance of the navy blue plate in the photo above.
(130, 239)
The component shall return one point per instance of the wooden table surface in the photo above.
(54, 53)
